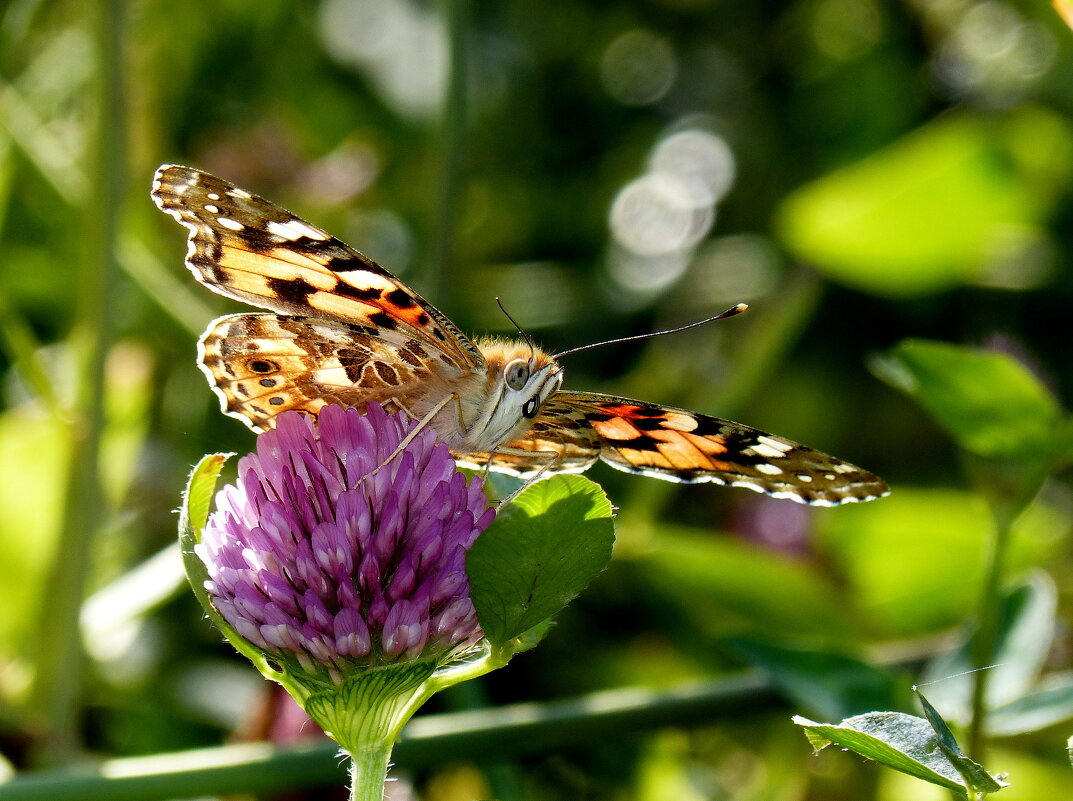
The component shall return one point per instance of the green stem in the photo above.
(368, 771)
(509, 732)
(21, 346)
(368, 712)
(450, 138)
(984, 643)
(57, 683)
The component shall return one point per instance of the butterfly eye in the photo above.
(516, 373)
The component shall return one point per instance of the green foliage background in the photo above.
(897, 170)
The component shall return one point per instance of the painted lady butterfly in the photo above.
(345, 330)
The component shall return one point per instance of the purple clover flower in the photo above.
(318, 556)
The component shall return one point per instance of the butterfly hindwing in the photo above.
(263, 364)
(247, 248)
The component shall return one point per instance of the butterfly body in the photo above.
(342, 329)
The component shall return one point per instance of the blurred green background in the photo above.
(858, 171)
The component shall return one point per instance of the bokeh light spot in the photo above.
(638, 68)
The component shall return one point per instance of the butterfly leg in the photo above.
(527, 482)
(421, 425)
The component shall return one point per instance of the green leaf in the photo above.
(1025, 632)
(1049, 704)
(830, 685)
(973, 772)
(957, 200)
(903, 742)
(541, 551)
(988, 401)
(200, 489)
(193, 514)
(35, 451)
(530, 638)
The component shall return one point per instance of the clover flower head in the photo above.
(335, 552)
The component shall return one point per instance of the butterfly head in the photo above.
(520, 379)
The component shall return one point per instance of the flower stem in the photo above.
(984, 643)
(368, 771)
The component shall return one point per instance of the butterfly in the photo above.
(342, 329)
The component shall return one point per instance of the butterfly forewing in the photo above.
(559, 441)
(347, 331)
(247, 248)
(680, 445)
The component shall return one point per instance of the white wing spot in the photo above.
(295, 229)
(774, 444)
(829, 476)
(769, 469)
(804, 477)
(679, 422)
(213, 196)
(241, 194)
(212, 209)
(764, 450)
(230, 224)
(332, 377)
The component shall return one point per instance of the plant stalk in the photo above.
(368, 771)
(986, 639)
(60, 658)
(450, 139)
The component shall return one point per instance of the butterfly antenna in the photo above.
(731, 312)
(525, 336)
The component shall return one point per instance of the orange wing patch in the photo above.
(680, 445)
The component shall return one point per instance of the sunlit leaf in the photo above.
(1051, 703)
(913, 563)
(200, 490)
(932, 209)
(1065, 10)
(193, 514)
(973, 772)
(539, 553)
(34, 449)
(903, 742)
(1026, 629)
(718, 582)
(988, 401)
